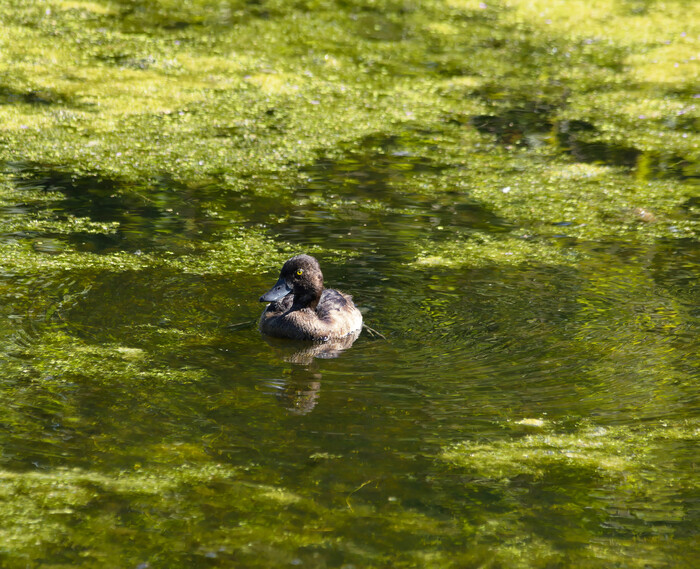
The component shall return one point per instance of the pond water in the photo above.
(527, 393)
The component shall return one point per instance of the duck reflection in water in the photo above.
(321, 323)
(300, 390)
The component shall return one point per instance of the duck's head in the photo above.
(301, 275)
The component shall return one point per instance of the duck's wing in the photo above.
(332, 301)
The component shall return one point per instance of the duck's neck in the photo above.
(307, 298)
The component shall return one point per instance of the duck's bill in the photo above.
(280, 290)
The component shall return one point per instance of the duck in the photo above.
(300, 308)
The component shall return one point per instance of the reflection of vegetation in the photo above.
(511, 187)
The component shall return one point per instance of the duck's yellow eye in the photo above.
(300, 272)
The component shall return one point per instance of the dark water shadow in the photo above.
(526, 125)
(163, 213)
(379, 171)
(143, 16)
(531, 125)
(41, 98)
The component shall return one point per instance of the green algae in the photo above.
(630, 466)
(621, 453)
(199, 107)
(485, 251)
(182, 498)
(278, 113)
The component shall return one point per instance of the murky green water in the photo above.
(509, 191)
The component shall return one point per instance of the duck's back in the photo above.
(332, 301)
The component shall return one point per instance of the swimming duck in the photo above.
(301, 309)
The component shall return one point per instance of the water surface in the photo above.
(526, 250)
